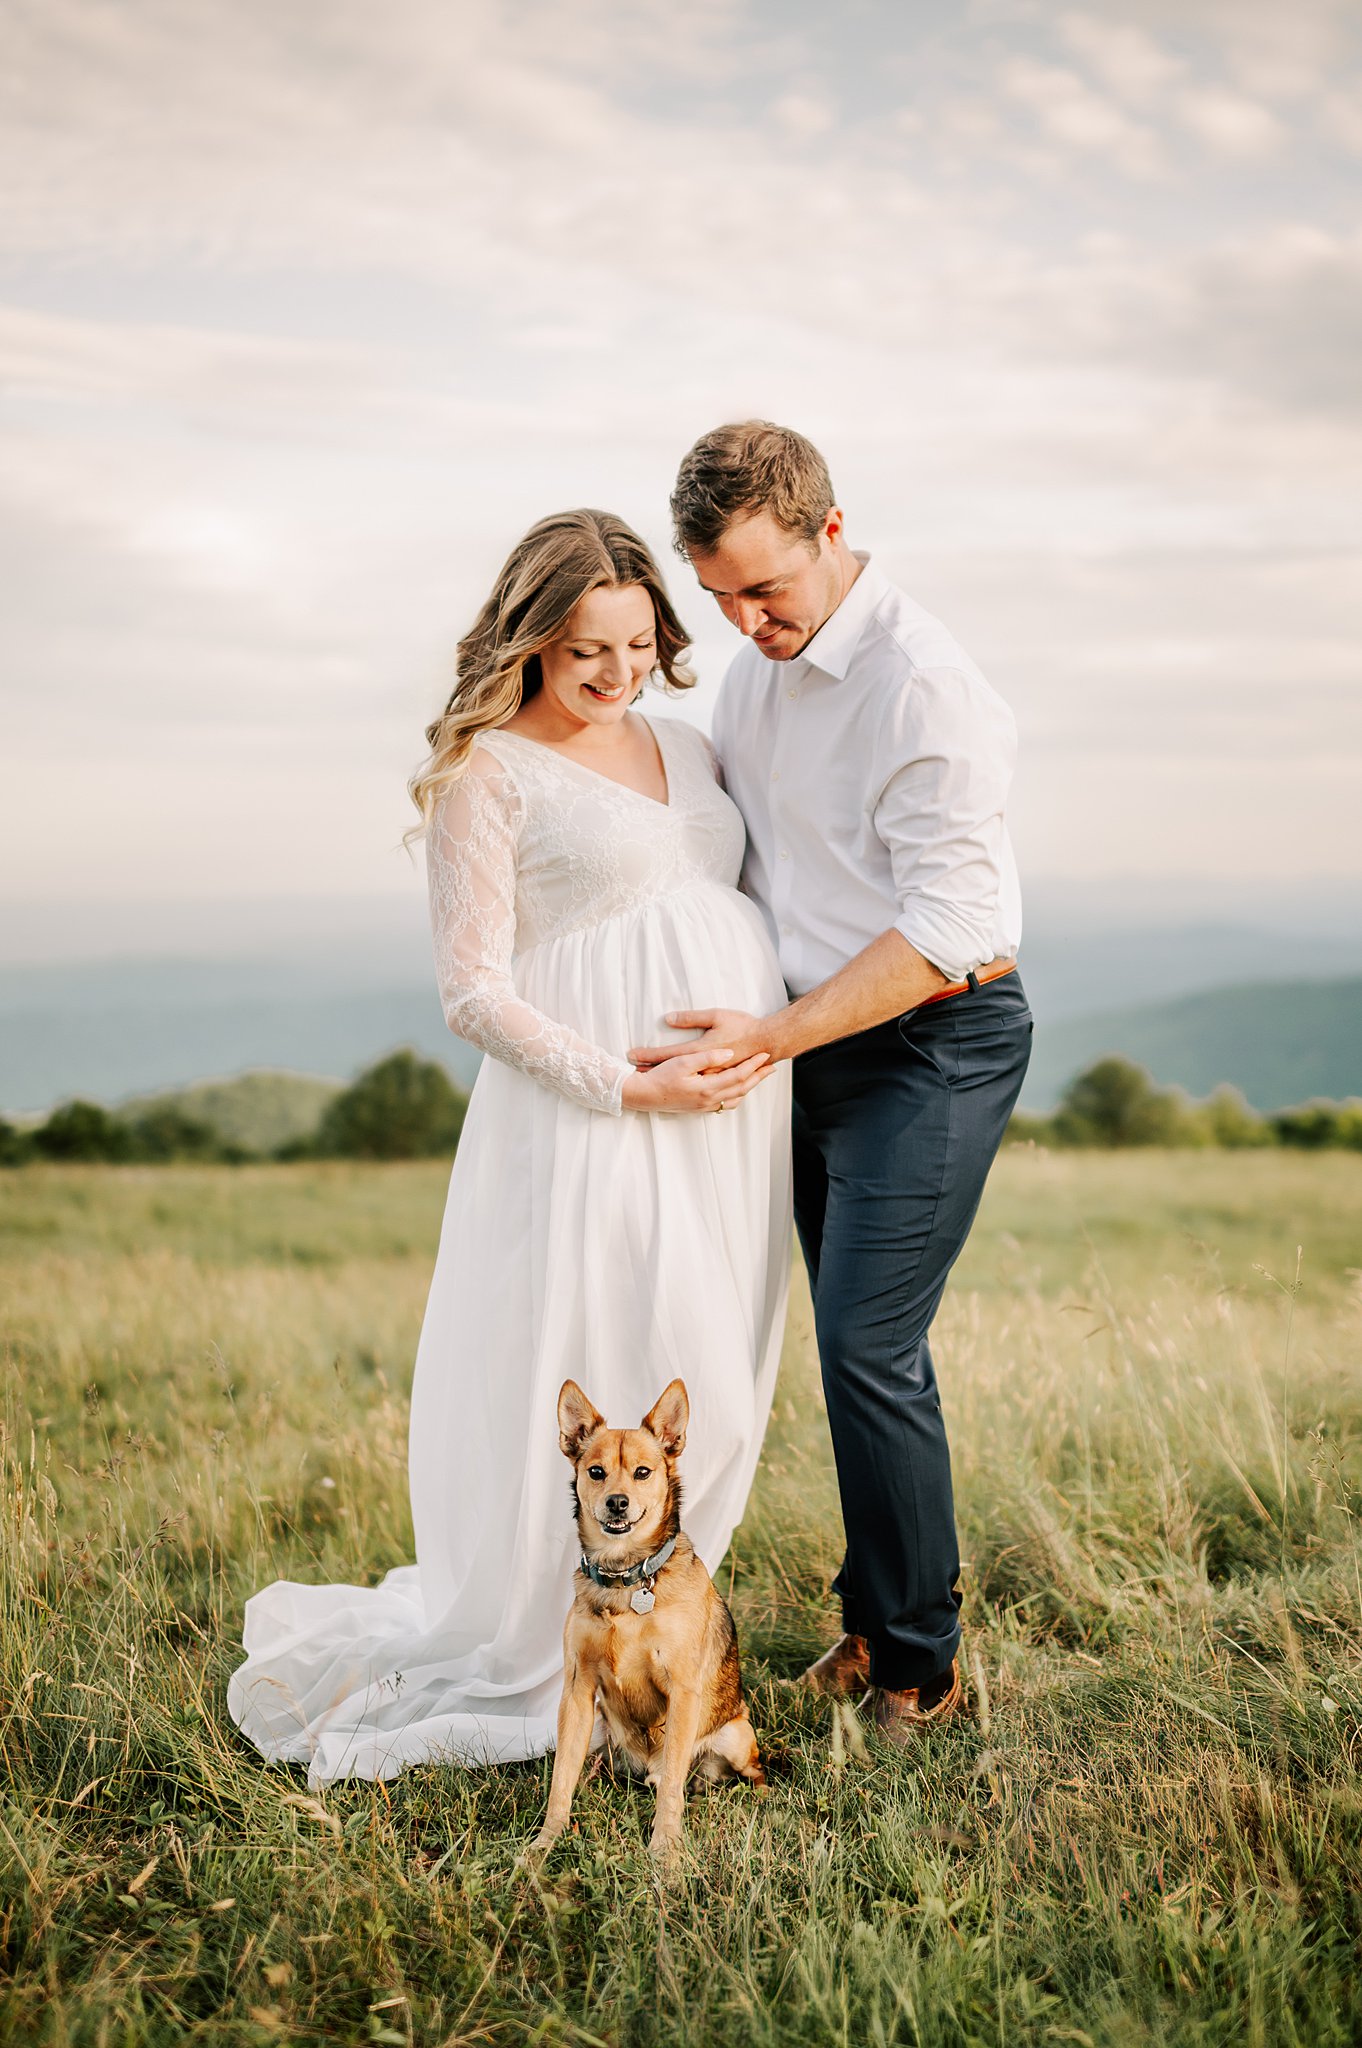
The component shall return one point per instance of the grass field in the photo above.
(1150, 1829)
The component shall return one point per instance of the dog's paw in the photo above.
(533, 1854)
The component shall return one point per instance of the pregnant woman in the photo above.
(614, 1227)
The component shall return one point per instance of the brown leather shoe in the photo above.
(898, 1716)
(843, 1672)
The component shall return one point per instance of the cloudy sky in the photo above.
(308, 307)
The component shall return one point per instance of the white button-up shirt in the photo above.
(873, 771)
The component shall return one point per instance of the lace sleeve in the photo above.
(471, 871)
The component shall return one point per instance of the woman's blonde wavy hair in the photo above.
(545, 576)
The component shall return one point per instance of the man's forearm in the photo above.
(888, 977)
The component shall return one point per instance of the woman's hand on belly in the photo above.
(678, 1083)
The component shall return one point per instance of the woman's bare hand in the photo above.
(690, 1081)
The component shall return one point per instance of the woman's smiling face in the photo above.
(603, 656)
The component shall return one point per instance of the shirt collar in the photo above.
(837, 639)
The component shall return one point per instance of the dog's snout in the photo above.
(617, 1503)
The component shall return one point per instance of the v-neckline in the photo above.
(659, 803)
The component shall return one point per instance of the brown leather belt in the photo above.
(993, 970)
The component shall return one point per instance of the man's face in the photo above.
(773, 586)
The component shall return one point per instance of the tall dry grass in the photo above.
(1149, 1830)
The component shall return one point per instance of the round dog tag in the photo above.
(641, 1600)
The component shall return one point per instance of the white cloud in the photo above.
(1284, 53)
(1277, 315)
(314, 311)
(1129, 61)
(801, 116)
(1071, 114)
(1341, 114)
(1230, 123)
(274, 383)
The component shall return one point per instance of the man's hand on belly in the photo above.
(888, 977)
(735, 1032)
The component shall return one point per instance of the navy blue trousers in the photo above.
(894, 1133)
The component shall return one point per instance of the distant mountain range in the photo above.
(1279, 1043)
(258, 1110)
(1198, 1004)
(136, 1028)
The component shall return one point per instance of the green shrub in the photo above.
(1232, 1122)
(1116, 1103)
(167, 1133)
(15, 1145)
(401, 1108)
(82, 1130)
(1029, 1130)
(1314, 1125)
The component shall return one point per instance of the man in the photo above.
(871, 762)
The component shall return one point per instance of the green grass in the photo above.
(1149, 1830)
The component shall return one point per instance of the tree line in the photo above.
(1115, 1103)
(404, 1107)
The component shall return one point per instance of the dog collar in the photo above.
(634, 1574)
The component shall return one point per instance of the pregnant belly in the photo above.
(700, 948)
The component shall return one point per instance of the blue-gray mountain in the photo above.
(1279, 1042)
(128, 1027)
(134, 1028)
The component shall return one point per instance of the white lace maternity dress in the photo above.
(580, 1241)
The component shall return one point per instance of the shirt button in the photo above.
(775, 775)
(792, 694)
(787, 931)
(785, 853)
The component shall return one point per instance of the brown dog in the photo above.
(647, 1639)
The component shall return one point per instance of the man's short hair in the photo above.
(747, 468)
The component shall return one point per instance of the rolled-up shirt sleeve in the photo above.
(949, 746)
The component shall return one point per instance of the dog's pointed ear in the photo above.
(668, 1417)
(577, 1419)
